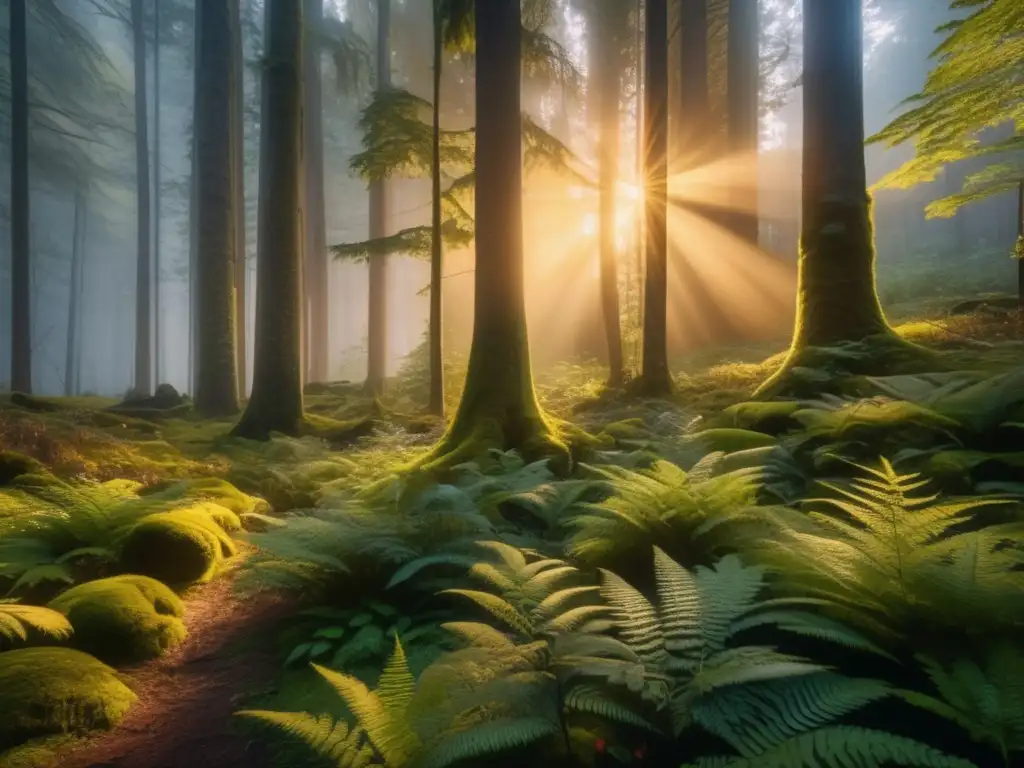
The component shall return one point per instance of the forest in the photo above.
(569, 383)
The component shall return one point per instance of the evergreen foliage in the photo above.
(975, 85)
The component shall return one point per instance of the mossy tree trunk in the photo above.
(276, 401)
(837, 300)
(435, 400)
(21, 280)
(143, 384)
(238, 177)
(499, 407)
(742, 124)
(216, 374)
(606, 61)
(655, 379)
(377, 327)
(315, 270)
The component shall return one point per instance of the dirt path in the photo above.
(183, 718)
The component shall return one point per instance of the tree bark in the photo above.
(655, 378)
(499, 407)
(276, 401)
(743, 76)
(143, 384)
(157, 324)
(836, 291)
(216, 381)
(377, 330)
(1020, 245)
(435, 400)
(21, 279)
(241, 266)
(694, 105)
(72, 356)
(315, 242)
(607, 69)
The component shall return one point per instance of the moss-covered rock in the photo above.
(45, 691)
(123, 618)
(730, 440)
(772, 418)
(13, 465)
(179, 547)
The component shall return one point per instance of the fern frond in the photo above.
(18, 622)
(497, 607)
(331, 739)
(638, 621)
(595, 701)
(487, 739)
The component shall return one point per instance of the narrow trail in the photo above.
(184, 716)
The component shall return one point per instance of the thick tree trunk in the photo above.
(837, 296)
(21, 279)
(241, 267)
(638, 230)
(143, 384)
(435, 400)
(694, 105)
(216, 381)
(743, 112)
(158, 371)
(607, 68)
(276, 401)
(499, 407)
(72, 357)
(377, 330)
(315, 241)
(655, 378)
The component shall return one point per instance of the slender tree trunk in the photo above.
(607, 69)
(71, 361)
(638, 230)
(241, 267)
(276, 401)
(435, 400)
(143, 279)
(157, 323)
(499, 407)
(316, 268)
(377, 330)
(655, 377)
(694, 104)
(193, 232)
(742, 120)
(216, 381)
(21, 278)
(1020, 245)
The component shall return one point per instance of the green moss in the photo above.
(13, 464)
(627, 429)
(730, 440)
(123, 618)
(891, 423)
(46, 691)
(771, 418)
(179, 547)
(334, 431)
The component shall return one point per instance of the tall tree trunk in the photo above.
(193, 250)
(694, 105)
(21, 279)
(607, 68)
(641, 151)
(655, 378)
(157, 324)
(1020, 245)
(143, 278)
(216, 380)
(377, 330)
(499, 407)
(72, 356)
(276, 401)
(435, 399)
(241, 267)
(316, 268)
(743, 64)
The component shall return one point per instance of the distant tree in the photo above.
(238, 178)
(499, 407)
(143, 383)
(976, 85)
(72, 359)
(216, 392)
(21, 286)
(655, 378)
(377, 329)
(837, 299)
(742, 124)
(276, 401)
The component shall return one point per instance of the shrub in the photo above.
(123, 618)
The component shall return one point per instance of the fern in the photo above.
(345, 747)
(20, 623)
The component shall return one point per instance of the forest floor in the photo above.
(231, 657)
